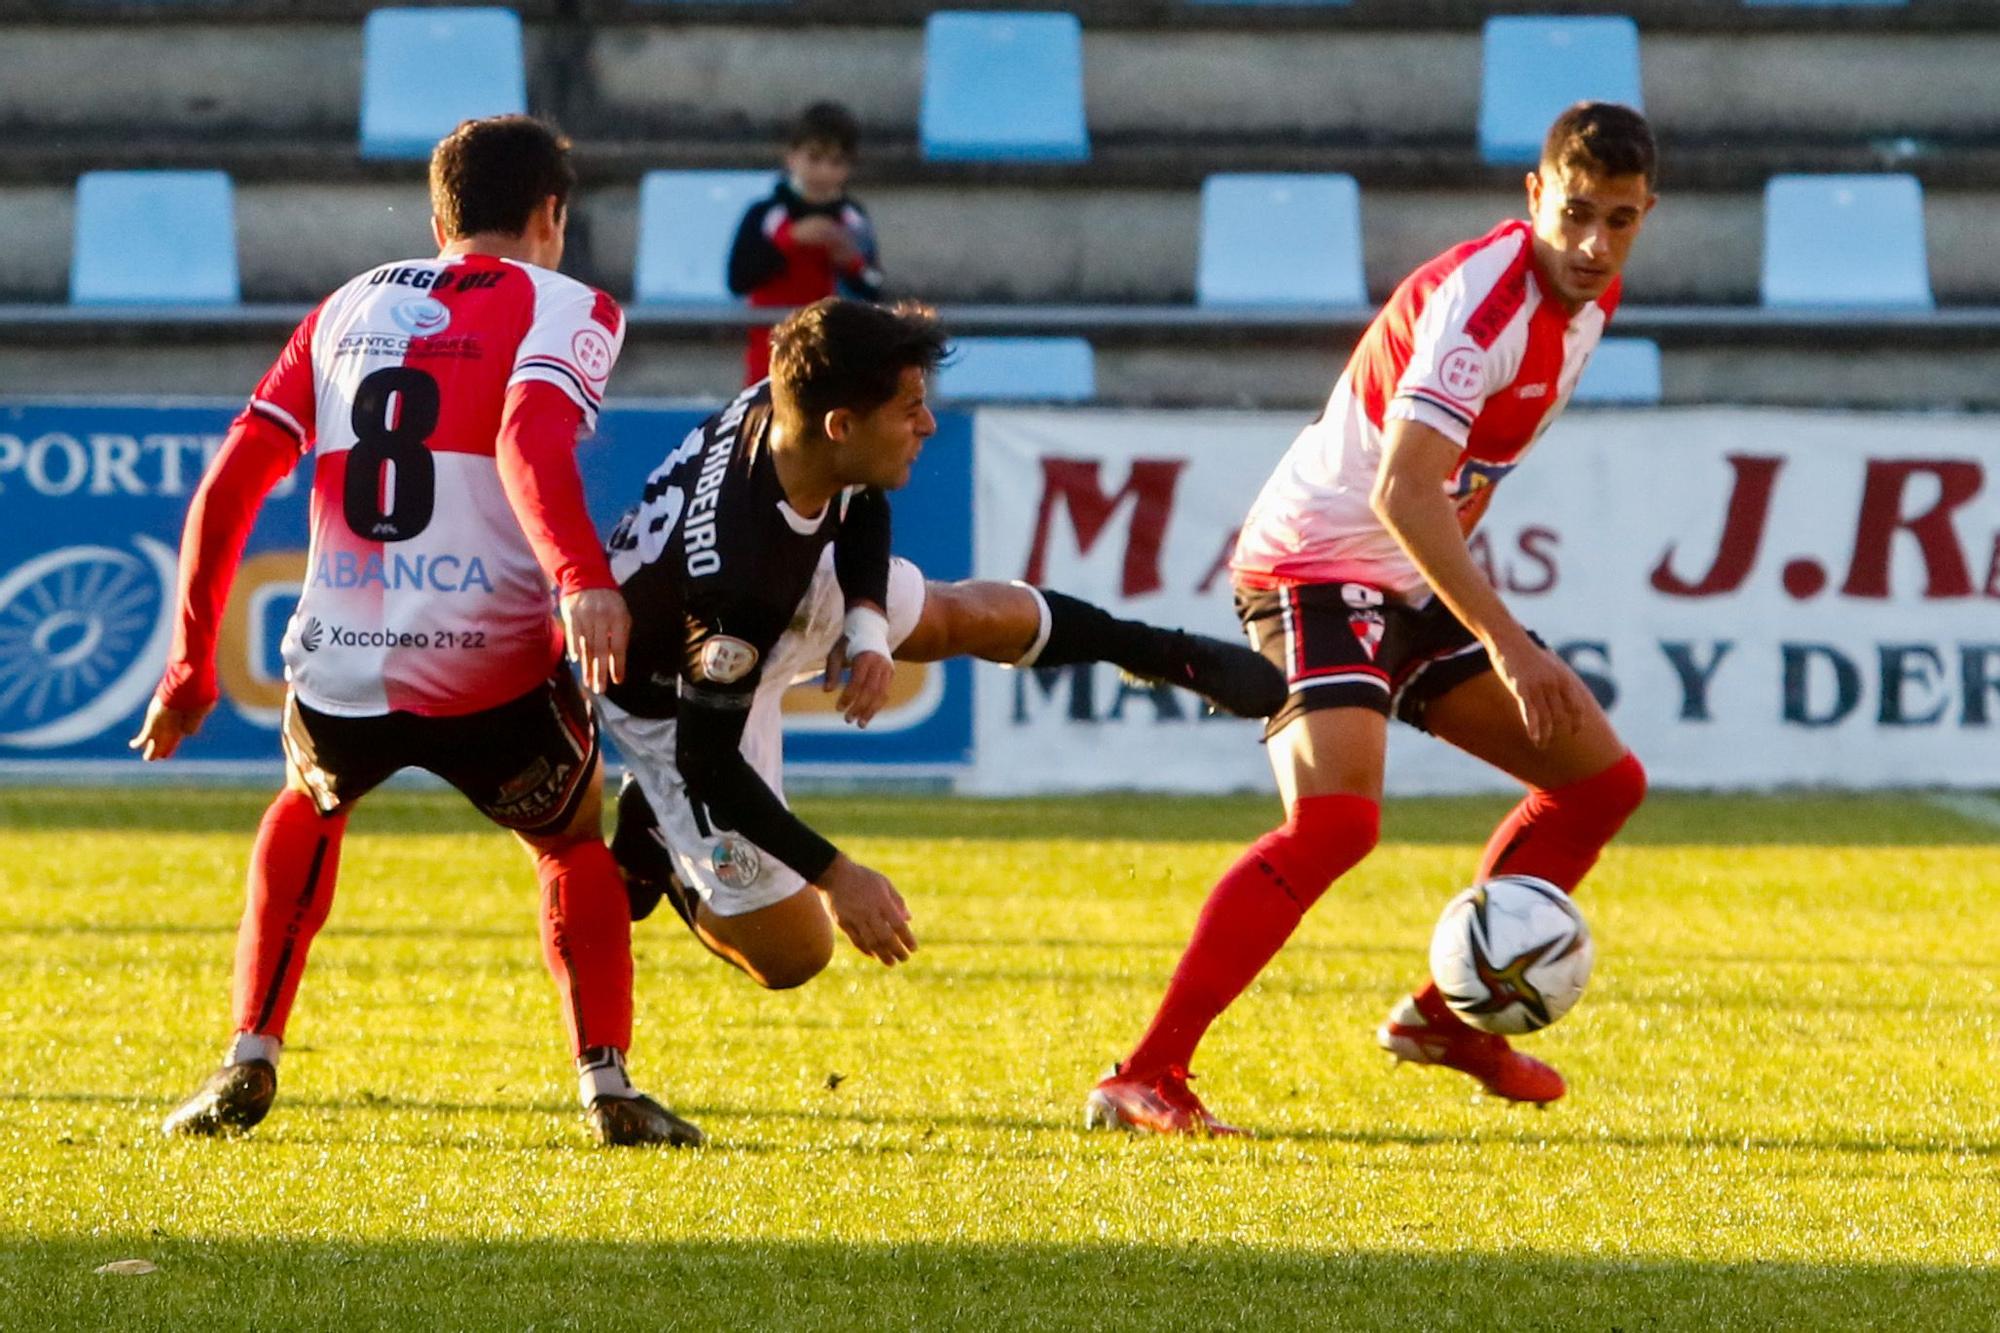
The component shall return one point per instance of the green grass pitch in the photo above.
(1784, 1110)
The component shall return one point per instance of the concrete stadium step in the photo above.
(298, 239)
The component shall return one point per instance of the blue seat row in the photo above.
(1267, 241)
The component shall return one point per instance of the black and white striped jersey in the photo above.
(713, 562)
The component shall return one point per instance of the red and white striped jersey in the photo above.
(422, 592)
(1469, 345)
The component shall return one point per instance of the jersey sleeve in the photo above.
(720, 671)
(1457, 344)
(288, 394)
(573, 343)
(861, 549)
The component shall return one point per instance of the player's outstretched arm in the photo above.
(1410, 500)
(255, 456)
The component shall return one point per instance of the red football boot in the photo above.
(1161, 1104)
(1408, 1034)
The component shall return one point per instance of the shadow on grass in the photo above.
(926, 1285)
(732, 1128)
(1666, 820)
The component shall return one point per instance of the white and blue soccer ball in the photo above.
(1512, 955)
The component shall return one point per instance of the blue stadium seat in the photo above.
(154, 237)
(425, 70)
(687, 220)
(1535, 67)
(1280, 239)
(1845, 241)
(1622, 370)
(1019, 370)
(1003, 87)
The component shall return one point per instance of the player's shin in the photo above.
(1229, 674)
(293, 866)
(587, 943)
(1249, 915)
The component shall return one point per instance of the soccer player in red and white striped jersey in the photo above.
(441, 400)
(1353, 575)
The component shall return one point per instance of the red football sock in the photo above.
(1250, 914)
(1556, 835)
(587, 943)
(292, 871)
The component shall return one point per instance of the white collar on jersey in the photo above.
(805, 527)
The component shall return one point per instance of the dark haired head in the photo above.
(1603, 138)
(827, 123)
(849, 354)
(491, 175)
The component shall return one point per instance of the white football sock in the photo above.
(600, 1072)
(248, 1046)
(1027, 659)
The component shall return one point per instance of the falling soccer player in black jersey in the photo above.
(759, 554)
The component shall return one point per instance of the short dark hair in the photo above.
(492, 174)
(1604, 138)
(828, 123)
(837, 353)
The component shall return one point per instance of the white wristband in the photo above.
(867, 632)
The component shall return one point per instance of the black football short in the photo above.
(1346, 645)
(525, 764)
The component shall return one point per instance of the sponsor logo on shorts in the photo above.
(531, 796)
(726, 660)
(736, 862)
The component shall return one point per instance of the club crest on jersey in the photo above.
(593, 354)
(726, 660)
(422, 317)
(1461, 373)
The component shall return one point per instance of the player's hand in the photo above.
(165, 728)
(1554, 703)
(597, 625)
(867, 686)
(869, 911)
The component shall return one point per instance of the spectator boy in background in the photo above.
(809, 239)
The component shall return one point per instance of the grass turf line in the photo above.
(1782, 1110)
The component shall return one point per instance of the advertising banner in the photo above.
(92, 498)
(1760, 597)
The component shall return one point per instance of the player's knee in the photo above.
(793, 966)
(1617, 791)
(1324, 838)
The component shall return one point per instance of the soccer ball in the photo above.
(1511, 955)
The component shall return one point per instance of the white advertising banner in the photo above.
(1762, 597)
